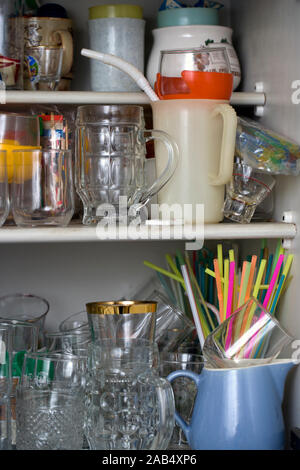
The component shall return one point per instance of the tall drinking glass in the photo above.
(42, 189)
(122, 320)
(4, 194)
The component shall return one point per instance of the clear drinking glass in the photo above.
(17, 131)
(246, 190)
(128, 407)
(42, 189)
(172, 326)
(24, 307)
(250, 334)
(23, 337)
(11, 44)
(69, 342)
(5, 388)
(4, 194)
(44, 66)
(50, 402)
(196, 73)
(76, 321)
(110, 161)
(126, 319)
(184, 389)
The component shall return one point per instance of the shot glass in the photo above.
(42, 188)
(50, 402)
(246, 190)
(44, 66)
(4, 193)
(250, 334)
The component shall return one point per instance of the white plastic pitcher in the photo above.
(205, 132)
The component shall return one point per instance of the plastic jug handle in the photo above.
(143, 196)
(227, 146)
(196, 378)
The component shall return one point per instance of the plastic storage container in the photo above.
(117, 30)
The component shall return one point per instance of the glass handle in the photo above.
(143, 196)
(196, 378)
(166, 406)
(227, 146)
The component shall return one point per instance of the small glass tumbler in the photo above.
(50, 402)
(246, 190)
(44, 66)
(68, 342)
(42, 189)
(25, 307)
(4, 193)
(75, 323)
(250, 334)
(184, 389)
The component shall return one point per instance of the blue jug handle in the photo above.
(196, 378)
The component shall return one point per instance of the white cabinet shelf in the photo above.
(76, 232)
(89, 97)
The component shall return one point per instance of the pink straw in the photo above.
(229, 303)
(230, 289)
(273, 281)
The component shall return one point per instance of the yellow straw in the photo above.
(259, 277)
(231, 256)
(165, 272)
(220, 259)
(173, 265)
(226, 284)
(211, 273)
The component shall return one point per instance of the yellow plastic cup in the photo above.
(115, 11)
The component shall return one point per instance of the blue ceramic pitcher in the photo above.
(237, 409)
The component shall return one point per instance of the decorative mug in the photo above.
(51, 32)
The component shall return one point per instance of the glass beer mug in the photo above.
(128, 406)
(110, 160)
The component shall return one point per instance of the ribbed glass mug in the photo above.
(128, 406)
(110, 161)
